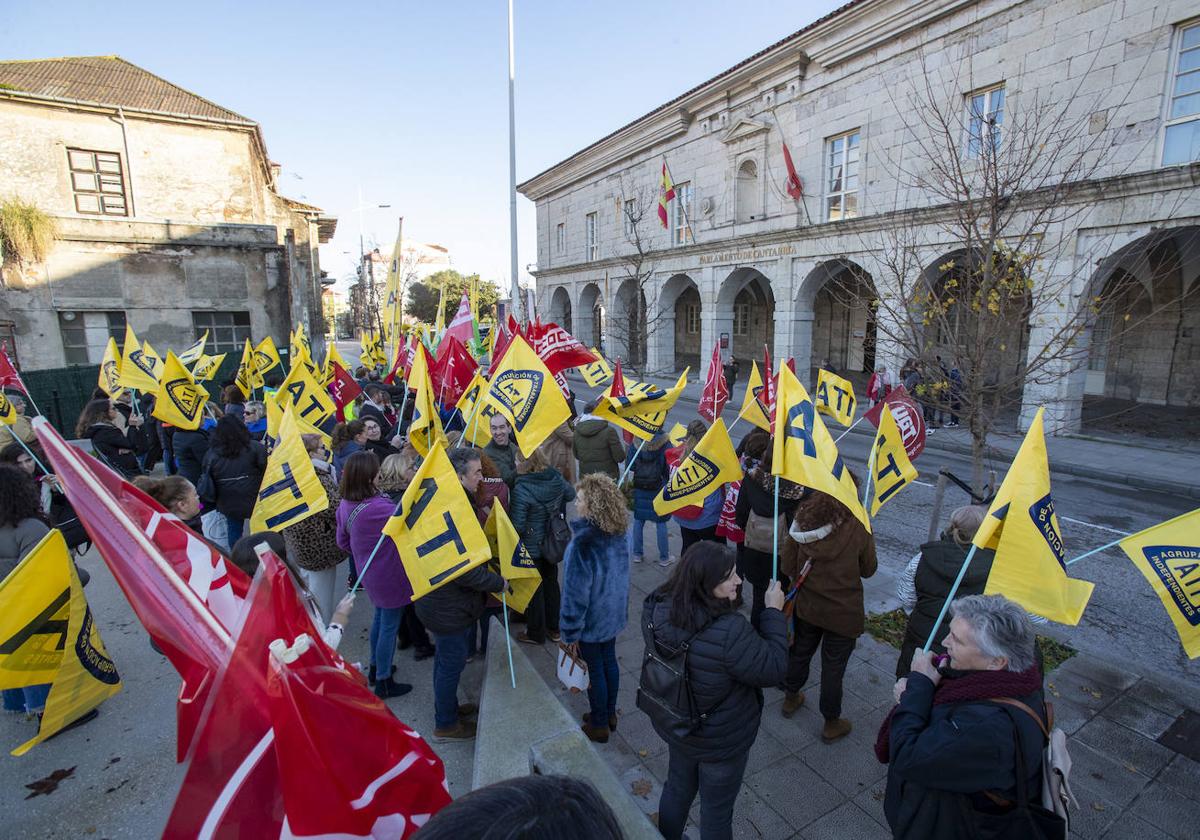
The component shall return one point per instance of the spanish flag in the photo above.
(1168, 556)
(1022, 528)
(666, 194)
(47, 636)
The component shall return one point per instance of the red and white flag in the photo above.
(557, 348)
(461, 327)
(452, 371)
(727, 526)
(9, 378)
(716, 390)
(506, 331)
(793, 186)
(617, 389)
(343, 388)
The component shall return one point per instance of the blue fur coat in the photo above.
(595, 589)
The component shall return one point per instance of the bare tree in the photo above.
(638, 212)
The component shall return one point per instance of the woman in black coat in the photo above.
(118, 447)
(231, 474)
(729, 663)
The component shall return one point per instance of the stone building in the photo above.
(168, 214)
(741, 259)
(419, 260)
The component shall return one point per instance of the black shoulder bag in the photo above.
(558, 533)
(665, 688)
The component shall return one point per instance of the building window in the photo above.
(98, 182)
(593, 249)
(85, 335)
(227, 331)
(841, 186)
(747, 191)
(681, 210)
(1182, 141)
(1101, 335)
(560, 237)
(692, 314)
(985, 116)
(741, 319)
(630, 217)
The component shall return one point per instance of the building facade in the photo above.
(419, 261)
(167, 213)
(744, 262)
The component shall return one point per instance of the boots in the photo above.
(835, 729)
(612, 720)
(792, 701)
(464, 730)
(599, 734)
(390, 688)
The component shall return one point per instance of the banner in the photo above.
(178, 400)
(834, 397)
(523, 391)
(206, 367)
(312, 402)
(290, 490)
(47, 636)
(110, 369)
(597, 372)
(1168, 556)
(716, 390)
(908, 416)
(709, 466)
(891, 471)
(516, 566)
(435, 528)
(425, 430)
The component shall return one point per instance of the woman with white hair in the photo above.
(966, 735)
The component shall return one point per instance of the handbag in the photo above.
(1056, 761)
(760, 532)
(665, 691)
(572, 671)
(558, 534)
(206, 488)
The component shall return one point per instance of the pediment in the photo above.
(744, 128)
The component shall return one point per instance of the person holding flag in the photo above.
(539, 496)
(14, 425)
(115, 446)
(698, 520)
(597, 444)
(650, 474)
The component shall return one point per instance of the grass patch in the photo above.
(1054, 653)
(25, 230)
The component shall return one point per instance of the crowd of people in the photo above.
(952, 752)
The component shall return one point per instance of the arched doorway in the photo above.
(627, 329)
(678, 324)
(560, 308)
(748, 303)
(843, 319)
(591, 320)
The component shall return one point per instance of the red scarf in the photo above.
(971, 685)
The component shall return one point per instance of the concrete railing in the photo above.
(527, 730)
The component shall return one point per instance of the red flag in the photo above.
(508, 330)
(558, 349)
(909, 419)
(793, 186)
(185, 593)
(770, 383)
(398, 366)
(280, 720)
(343, 388)
(461, 327)
(617, 389)
(716, 391)
(452, 371)
(9, 378)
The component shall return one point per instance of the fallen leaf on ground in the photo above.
(641, 787)
(643, 753)
(1097, 806)
(50, 783)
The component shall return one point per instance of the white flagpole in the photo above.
(515, 288)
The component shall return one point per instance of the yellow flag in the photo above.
(151, 355)
(644, 426)
(1168, 556)
(677, 433)
(707, 468)
(179, 401)
(206, 366)
(298, 344)
(379, 350)
(516, 566)
(290, 491)
(365, 342)
(110, 369)
(435, 528)
(1022, 528)
(598, 372)
(266, 357)
(752, 408)
(476, 414)
(524, 392)
(274, 415)
(804, 450)
(647, 398)
(834, 397)
(332, 357)
(8, 414)
(195, 351)
(314, 407)
(47, 636)
(888, 462)
(248, 377)
(426, 427)
(136, 370)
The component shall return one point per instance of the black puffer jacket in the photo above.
(190, 447)
(729, 663)
(535, 497)
(236, 479)
(116, 448)
(455, 606)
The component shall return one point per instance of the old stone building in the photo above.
(168, 217)
(743, 262)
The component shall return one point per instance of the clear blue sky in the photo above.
(409, 99)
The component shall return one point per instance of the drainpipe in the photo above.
(128, 160)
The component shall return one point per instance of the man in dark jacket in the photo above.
(190, 446)
(448, 613)
(597, 445)
(503, 449)
(948, 743)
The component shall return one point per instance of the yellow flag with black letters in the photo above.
(110, 369)
(179, 401)
(804, 450)
(266, 357)
(708, 467)
(426, 427)
(1022, 528)
(137, 369)
(314, 407)
(332, 357)
(891, 469)
(637, 421)
(435, 528)
(471, 407)
(47, 635)
(298, 344)
(524, 392)
(8, 414)
(676, 434)
(248, 378)
(598, 372)
(1168, 556)
(647, 398)
(290, 490)
(516, 566)
(151, 356)
(834, 397)
(195, 351)
(206, 366)
(752, 407)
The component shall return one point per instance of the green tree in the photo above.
(423, 295)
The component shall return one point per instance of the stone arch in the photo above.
(837, 306)
(627, 328)
(592, 317)
(748, 193)
(560, 308)
(746, 310)
(678, 324)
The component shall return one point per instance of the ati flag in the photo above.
(266, 357)
(557, 348)
(298, 344)
(194, 352)
(890, 468)
(522, 390)
(645, 398)
(753, 408)
(1022, 529)
(333, 359)
(179, 401)
(835, 397)
(8, 414)
(676, 434)
(516, 566)
(716, 390)
(290, 491)
(596, 372)
(909, 418)
(804, 450)
(426, 427)
(435, 528)
(247, 378)
(206, 367)
(635, 423)
(476, 419)
(1168, 555)
(314, 407)
(47, 636)
(709, 466)
(110, 369)
(137, 371)
(9, 378)
(151, 356)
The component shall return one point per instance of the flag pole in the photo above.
(629, 466)
(848, 428)
(870, 472)
(358, 578)
(470, 425)
(515, 287)
(1117, 541)
(25, 446)
(512, 672)
(775, 534)
(950, 597)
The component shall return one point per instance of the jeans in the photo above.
(31, 698)
(695, 535)
(604, 679)
(718, 783)
(449, 659)
(835, 655)
(478, 634)
(324, 587)
(233, 530)
(384, 628)
(636, 543)
(542, 615)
